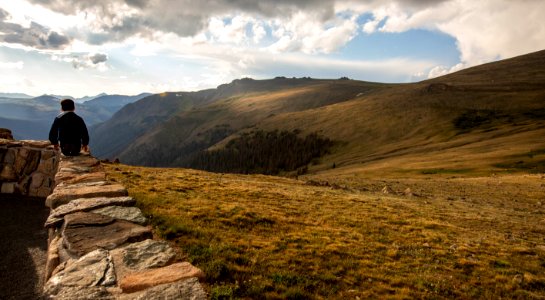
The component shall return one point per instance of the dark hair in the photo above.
(67, 105)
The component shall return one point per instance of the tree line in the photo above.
(263, 152)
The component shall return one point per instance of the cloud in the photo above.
(485, 30)
(12, 65)
(118, 19)
(98, 58)
(442, 70)
(84, 61)
(35, 36)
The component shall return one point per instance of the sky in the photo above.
(83, 48)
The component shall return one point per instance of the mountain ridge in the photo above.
(476, 107)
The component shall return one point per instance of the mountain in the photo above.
(485, 117)
(113, 103)
(31, 118)
(87, 98)
(15, 95)
(143, 131)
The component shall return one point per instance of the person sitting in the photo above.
(69, 130)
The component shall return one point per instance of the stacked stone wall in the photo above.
(27, 168)
(100, 246)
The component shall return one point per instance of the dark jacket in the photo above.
(69, 128)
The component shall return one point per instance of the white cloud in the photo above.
(485, 30)
(308, 34)
(12, 65)
(442, 70)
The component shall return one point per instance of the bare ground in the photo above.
(23, 247)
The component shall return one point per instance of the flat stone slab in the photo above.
(85, 204)
(138, 281)
(143, 255)
(85, 293)
(86, 177)
(92, 270)
(64, 195)
(131, 214)
(80, 236)
(81, 219)
(189, 289)
(36, 144)
(79, 161)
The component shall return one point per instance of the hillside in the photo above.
(165, 128)
(485, 118)
(426, 237)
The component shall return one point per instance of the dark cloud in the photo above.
(35, 36)
(98, 58)
(189, 17)
(182, 17)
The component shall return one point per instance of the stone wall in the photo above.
(26, 167)
(100, 246)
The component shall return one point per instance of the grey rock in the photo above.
(81, 237)
(86, 204)
(131, 214)
(91, 270)
(189, 289)
(84, 293)
(80, 219)
(64, 195)
(141, 256)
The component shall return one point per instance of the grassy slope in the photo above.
(270, 237)
(411, 126)
(454, 223)
(380, 127)
(238, 113)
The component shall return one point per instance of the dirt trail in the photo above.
(23, 247)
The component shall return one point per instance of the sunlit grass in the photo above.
(271, 237)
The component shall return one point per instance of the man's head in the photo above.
(67, 105)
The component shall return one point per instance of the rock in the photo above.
(86, 204)
(83, 178)
(5, 134)
(92, 270)
(48, 166)
(8, 173)
(52, 257)
(48, 154)
(408, 192)
(189, 289)
(80, 219)
(142, 280)
(65, 195)
(8, 188)
(37, 180)
(32, 161)
(42, 192)
(79, 239)
(84, 293)
(143, 255)
(36, 144)
(79, 162)
(9, 156)
(131, 214)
